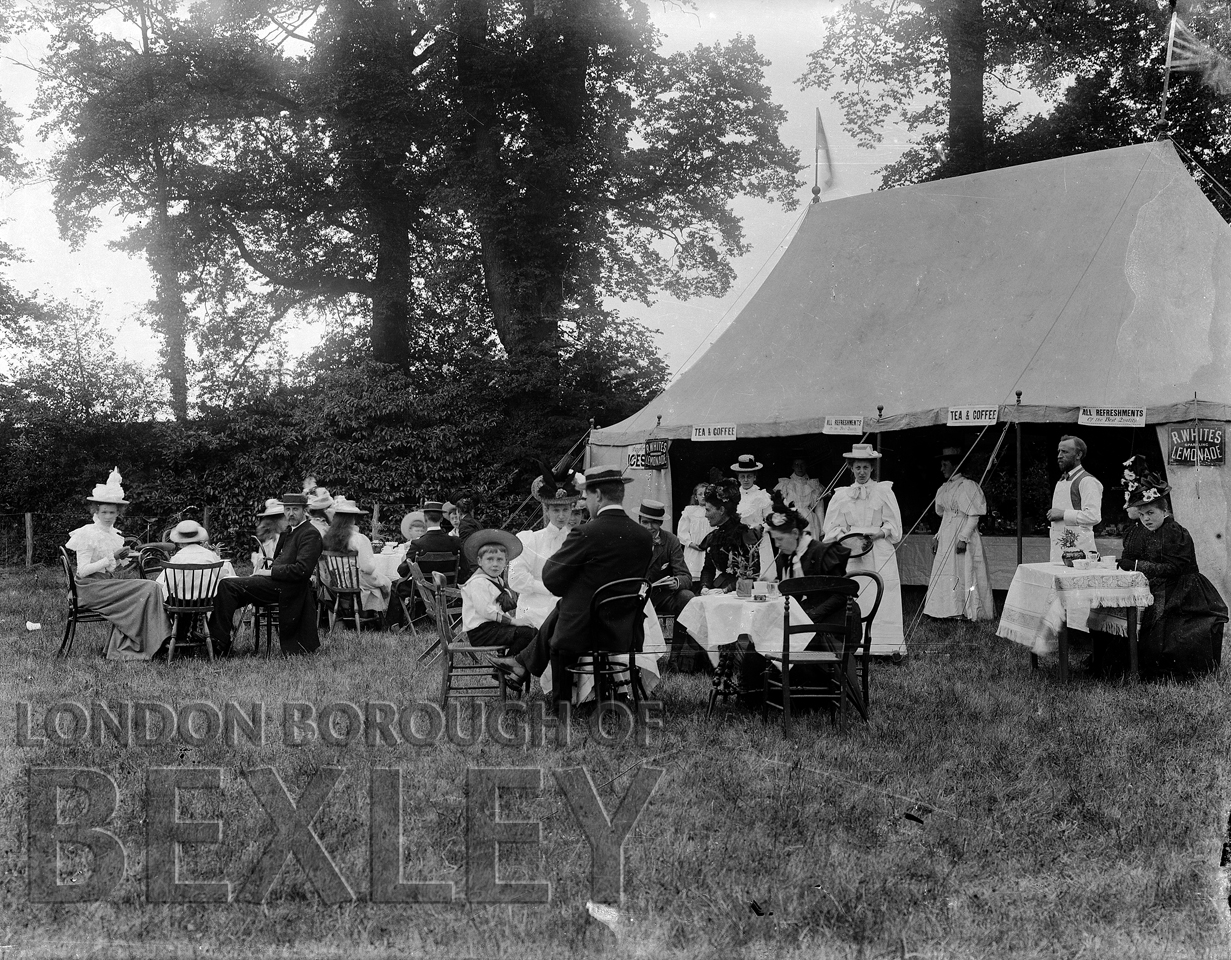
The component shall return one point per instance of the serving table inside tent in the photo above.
(915, 557)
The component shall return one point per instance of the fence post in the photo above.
(29, 539)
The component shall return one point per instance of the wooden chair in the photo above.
(467, 669)
(190, 597)
(342, 583)
(837, 683)
(153, 557)
(617, 628)
(438, 562)
(77, 613)
(258, 547)
(864, 661)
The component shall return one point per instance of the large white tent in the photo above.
(1099, 280)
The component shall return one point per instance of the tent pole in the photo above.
(1019, 477)
(879, 410)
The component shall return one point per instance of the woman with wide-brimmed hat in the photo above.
(959, 585)
(869, 508)
(557, 492)
(269, 526)
(343, 535)
(133, 607)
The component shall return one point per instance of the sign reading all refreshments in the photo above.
(1197, 445)
(843, 425)
(713, 431)
(973, 416)
(1112, 416)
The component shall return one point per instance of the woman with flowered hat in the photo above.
(731, 549)
(868, 507)
(799, 554)
(1181, 633)
(133, 607)
(343, 535)
(557, 492)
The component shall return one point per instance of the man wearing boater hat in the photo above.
(611, 546)
(288, 584)
(667, 567)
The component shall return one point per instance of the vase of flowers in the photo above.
(744, 564)
(1069, 549)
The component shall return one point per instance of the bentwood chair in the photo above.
(467, 669)
(831, 678)
(617, 629)
(191, 588)
(864, 655)
(342, 583)
(77, 613)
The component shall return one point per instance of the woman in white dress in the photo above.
(959, 585)
(269, 527)
(343, 535)
(557, 494)
(133, 607)
(692, 529)
(802, 494)
(755, 505)
(869, 507)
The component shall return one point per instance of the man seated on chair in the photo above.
(670, 581)
(488, 605)
(434, 540)
(288, 584)
(612, 546)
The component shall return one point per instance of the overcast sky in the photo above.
(785, 32)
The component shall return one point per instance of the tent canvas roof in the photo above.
(1097, 279)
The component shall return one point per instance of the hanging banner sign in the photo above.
(1112, 416)
(973, 416)
(656, 453)
(843, 425)
(1197, 445)
(713, 431)
(636, 456)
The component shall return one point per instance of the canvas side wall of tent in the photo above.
(1099, 280)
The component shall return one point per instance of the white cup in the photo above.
(760, 590)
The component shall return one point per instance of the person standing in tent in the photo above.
(869, 507)
(754, 506)
(1076, 504)
(803, 495)
(959, 585)
(692, 530)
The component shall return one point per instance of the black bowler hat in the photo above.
(293, 500)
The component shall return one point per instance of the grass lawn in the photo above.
(983, 812)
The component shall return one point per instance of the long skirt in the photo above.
(887, 635)
(374, 591)
(959, 585)
(134, 609)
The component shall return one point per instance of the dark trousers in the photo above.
(492, 634)
(668, 602)
(539, 653)
(296, 602)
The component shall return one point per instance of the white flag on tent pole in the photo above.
(822, 154)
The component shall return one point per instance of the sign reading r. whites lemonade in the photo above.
(1197, 444)
(1112, 416)
(713, 431)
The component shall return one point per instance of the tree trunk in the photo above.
(965, 34)
(389, 209)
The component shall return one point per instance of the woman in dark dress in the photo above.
(1181, 634)
(730, 548)
(797, 554)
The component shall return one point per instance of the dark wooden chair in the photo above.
(836, 682)
(264, 562)
(864, 655)
(441, 561)
(191, 588)
(153, 557)
(468, 669)
(77, 613)
(341, 580)
(617, 628)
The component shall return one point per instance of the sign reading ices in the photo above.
(713, 431)
(843, 425)
(1197, 445)
(1112, 416)
(651, 455)
(973, 416)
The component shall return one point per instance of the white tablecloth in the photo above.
(387, 563)
(721, 618)
(1043, 596)
(915, 556)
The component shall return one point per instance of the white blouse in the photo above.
(95, 546)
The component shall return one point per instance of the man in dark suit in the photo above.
(287, 584)
(466, 525)
(611, 546)
(666, 563)
(434, 540)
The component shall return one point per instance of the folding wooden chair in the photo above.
(342, 583)
(468, 669)
(191, 588)
(77, 613)
(617, 628)
(838, 681)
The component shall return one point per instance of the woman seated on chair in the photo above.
(489, 606)
(343, 536)
(799, 555)
(269, 527)
(105, 581)
(731, 549)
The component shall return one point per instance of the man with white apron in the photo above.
(1076, 504)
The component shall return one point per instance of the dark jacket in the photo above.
(667, 560)
(465, 527)
(610, 547)
(296, 554)
(729, 537)
(818, 560)
(434, 541)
